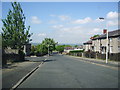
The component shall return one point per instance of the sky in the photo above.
(67, 22)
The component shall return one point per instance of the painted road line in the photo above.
(25, 77)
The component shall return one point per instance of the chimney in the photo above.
(104, 31)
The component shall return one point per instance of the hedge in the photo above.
(76, 51)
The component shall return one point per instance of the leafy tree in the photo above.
(60, 48)
(49, 43)
(96, 35)
(15, 34)
(76, 46)
(33, 49)
(67, 46)
(41, 50)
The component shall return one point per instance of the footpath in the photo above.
(16, 71)
(99, 61)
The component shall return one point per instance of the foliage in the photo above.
(60, 48)
(96, 35)
(67, 46)
(76, 46)
(33, 49)
(49, 43)
(15, 34)
(42, 49)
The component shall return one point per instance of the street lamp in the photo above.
(101, 18)
(48, 48)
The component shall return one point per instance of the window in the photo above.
(119, 38)
(111, 49)
(118, 48)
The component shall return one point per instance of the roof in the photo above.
(115, 33)
(88, 42)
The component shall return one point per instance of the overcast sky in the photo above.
(67, 22)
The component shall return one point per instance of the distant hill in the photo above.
(69, 44)
(59, 44)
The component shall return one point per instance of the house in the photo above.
(68, 49)
(11, 51)
(87, 45)
(99, 43)
(79, 47)
(27, 49)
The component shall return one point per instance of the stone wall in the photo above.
(113, 56)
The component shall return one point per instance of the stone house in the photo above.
(87, 45)
(27, 49)
(68, 49)
(99, 43)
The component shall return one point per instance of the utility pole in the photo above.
(48, 49)
(107, 47)
(101, 18)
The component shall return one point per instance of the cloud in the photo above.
(42, 34)
(52, 22)
(71, 29)
(64, 17)
(82, 21)
(112, 15)
(52, 15)
(112, 23)
(35, 20)
(57, 26)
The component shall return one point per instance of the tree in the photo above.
(60, 48)
(96, 35)
(33, 49)
(49, 44)
(67, 46)
(15, 34)
(76, 46)
(41, 50)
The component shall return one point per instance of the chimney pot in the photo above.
(104, 31)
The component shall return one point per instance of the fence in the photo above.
(113, 56)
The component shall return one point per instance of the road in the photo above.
(68, 72)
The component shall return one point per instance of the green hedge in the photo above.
(76, 51)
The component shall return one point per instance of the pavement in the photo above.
(59, 71)
(99, 61)
(16, 71)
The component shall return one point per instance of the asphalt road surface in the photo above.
(68, 72)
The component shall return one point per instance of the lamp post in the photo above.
(48, 48)
(101, 18)
(107, 47)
